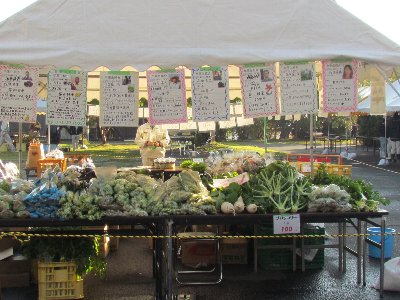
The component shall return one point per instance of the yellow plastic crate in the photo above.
(58, 280)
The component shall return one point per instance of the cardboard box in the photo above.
(234, 251)
(14, 280)
(210, 228)
(7, 246)
(198, 253)
(14, 273)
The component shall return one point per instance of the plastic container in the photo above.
(389, 239)
(58, 280)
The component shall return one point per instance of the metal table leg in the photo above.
(359, 251)
(255, 250)
(344, 245)
(382, 266)
(158, 243)
(169, 252)
(364, 254)
(340, 238)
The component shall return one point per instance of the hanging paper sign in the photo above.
(339, 81)
(259, 91)
(167, 96)
(210, 94)
(66, 102)
(206, 126)
(18, 94)
(119, 99)
(298, 89)
(378, 93)
(94, 110)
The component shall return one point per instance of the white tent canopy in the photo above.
(170, 33)
(391, 97)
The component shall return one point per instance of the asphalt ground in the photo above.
(129, 275)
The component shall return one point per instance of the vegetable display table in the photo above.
(163, 268)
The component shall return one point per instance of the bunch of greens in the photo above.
(83, 251)
(229, 194)
(195, 166)
(362, 195)
(277, 187)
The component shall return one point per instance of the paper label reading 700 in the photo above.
(286, 224)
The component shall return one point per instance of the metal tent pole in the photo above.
(20, 149)
(48, 138)
(386, 154)
(265, 137)
(312, 144)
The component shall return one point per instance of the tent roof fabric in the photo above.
(391, 98)
(170, 33)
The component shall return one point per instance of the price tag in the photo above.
(286, 224)
(198, 160)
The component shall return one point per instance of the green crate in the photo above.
(268, 230)
(281, 259)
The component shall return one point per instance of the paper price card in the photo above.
(119, 99)
(210, 94)
(259, 91)
(339, 83)
(18, 94)
(167, 96)
(286, 224)
(298, 89)
(66, 103)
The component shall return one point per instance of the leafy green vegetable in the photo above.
(363, 196)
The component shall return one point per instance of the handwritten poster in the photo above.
(66, 102)
(298, 89)
(167, 96)
(339, 80)
(18, 94)
(259, 91)
(210, 94)
(119, 99)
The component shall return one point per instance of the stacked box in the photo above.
(281, 259)
(58, 280)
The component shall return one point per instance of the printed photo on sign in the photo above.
(306, 75)
(126, 80)
(217, 75)
(265, 76)
(27, 79)
(174, 82)
(347, 72)
(76, 83)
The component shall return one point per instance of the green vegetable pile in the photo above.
(362, 195)
(278, 187)
(195, 166)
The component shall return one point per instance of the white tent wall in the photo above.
(166, 33)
